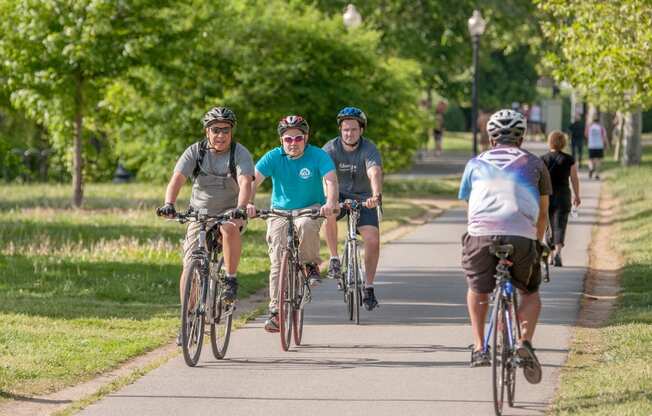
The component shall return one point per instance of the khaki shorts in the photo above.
(480, 265)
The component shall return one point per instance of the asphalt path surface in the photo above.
(410, 356)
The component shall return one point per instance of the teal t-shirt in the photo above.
(296, 183)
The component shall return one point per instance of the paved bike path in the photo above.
(408, 357)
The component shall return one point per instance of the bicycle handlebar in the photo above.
(272, 212)
(201, 216)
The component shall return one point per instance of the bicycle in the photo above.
(205, 280)
(294, 288)
(351, 277)
(504, 330)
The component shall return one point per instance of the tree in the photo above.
(603, 50)
(57, 56)
(251, 57)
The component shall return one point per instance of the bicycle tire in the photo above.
(192, 320)
(511, 370)
(297, 312)
(498, 355)
(357, 278)
(285, 301)
(349, 289)
(222, 319)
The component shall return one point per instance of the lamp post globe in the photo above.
(351, 17)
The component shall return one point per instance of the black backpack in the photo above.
(203, 147)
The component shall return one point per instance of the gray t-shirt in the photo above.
(352, 166)
(214, 188)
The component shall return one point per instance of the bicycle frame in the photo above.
(352, 241)
(506, 291)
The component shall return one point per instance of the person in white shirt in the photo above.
(597, 142)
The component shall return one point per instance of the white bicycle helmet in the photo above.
(507, 126)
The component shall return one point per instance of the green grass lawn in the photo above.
(609, 369)
(84, 290)
(455, 142)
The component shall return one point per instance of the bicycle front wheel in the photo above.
(222, 316)
(192, 316)
(499, 353)
(357, 285)
(285, 300)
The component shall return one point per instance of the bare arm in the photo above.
(332, 193)
(251, 207)
(174, 186)
(244, 196)
(542, 222)
(375, 174)
(575, 183)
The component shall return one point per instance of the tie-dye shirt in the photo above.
(503, 186)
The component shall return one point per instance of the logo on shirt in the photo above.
(502, 157)
(347, 167)
(305, 173)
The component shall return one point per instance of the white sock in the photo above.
(231, 276)
(335, 257)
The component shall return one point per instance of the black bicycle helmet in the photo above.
(292, 122)
(507, 126)
(352, 113)
(216, 114)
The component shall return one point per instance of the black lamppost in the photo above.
(476, 28)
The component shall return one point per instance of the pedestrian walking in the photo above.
(561, 167)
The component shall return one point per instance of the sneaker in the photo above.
(334, 268)
(340, 284)
(531, 367)
(230, 292)
(179, 338)
(369, 299)
(313, 274)
(557, 260)
(597, 177)
(271, 324)
(480, 359)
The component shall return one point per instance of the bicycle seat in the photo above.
(501, 251)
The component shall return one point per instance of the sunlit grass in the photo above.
(84, 290)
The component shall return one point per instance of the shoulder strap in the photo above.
(202, 153)
(232, 169)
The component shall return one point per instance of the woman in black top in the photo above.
(561, 167)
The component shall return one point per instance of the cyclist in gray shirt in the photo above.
(222, 171)
(360, 176)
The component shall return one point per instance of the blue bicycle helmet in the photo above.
(352, 113)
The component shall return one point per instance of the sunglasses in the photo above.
(218, 130)
(293, 139)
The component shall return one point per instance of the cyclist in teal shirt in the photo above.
(299, 172)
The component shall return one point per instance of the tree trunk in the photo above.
(619, 140)
(632, 148)
(77, 161)
(607, 121)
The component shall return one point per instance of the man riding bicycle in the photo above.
(297, 170)
(222, 172)
(360, 177)
(507, 190)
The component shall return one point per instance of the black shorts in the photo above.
(368, 216)
(480, 265)
(596, 153)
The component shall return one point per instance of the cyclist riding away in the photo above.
(222, 172)
(297, 170)
(360, 177)
(507, 189)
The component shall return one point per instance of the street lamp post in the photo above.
(351, 17)
(476, 28)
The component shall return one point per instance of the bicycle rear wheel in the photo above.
(222, 315)
(297, 312)
(498, 354)
(192, 316)
(357, 286)
(285, 300)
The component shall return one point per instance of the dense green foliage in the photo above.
(602, 48)
(141, 74)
